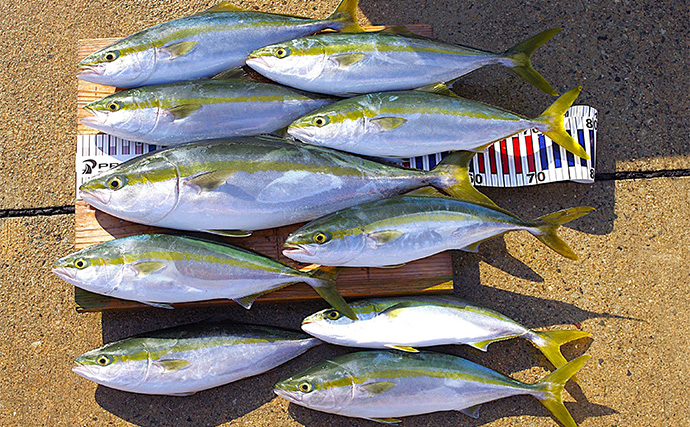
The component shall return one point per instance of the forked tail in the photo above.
(550, 342)
(520, 56)
(322, 280)
(346, 14)
(547, 225)
(550, 122)
(550, 387)
(452, 179)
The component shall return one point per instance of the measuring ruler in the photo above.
(528, 158)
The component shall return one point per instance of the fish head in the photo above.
(142, 190)
(303, 59)
(122, 365)
(340, 126)
(330, 323)
(122, 113)
(327, 386)
(98, 268)
(126, 63)
(334, 240)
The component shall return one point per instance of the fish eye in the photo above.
(111, 56)
(334, 315)
(282, 52)
(114, 106)
(80, 263)
(104, 360)
(304, 387)
(320, 121)
(115, 183)
(321, 238)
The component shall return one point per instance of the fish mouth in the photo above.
(287, 395)
(295, 249)
(64, 273)
(95, 197)
(259, 61)
(299, 133)
(82, 370)
(89, 70)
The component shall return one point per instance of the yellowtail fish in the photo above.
(405, 323)
(349, 64)
(197, 110)
(160, 269)
(428, 120)
(252, 183)
(202, 45)
(183, 360)
(400, 229)
(384, 385)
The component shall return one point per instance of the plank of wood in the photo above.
(432, 274)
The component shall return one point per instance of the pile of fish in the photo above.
(222, 174)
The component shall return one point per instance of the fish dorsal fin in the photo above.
(402, 31)
(176, 50)
(403, 348)
(438, 88)
(182, 110)
(171, 365)
(231, 233)
(377, 387)
(472, 411)
(226, 6)
(388, 123)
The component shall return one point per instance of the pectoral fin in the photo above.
(231, 233)
(403, 348)
(472, 411)
(377, 387)
(171, 365)
(385, 236)
(389, 123)
(176, 50)
(385, 420)
(347, 59)
(144, 268)
(181, 111)
(209, 181)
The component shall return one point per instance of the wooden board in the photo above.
(432, 274)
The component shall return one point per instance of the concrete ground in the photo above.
(629, 289)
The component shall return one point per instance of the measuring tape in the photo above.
(528, 158)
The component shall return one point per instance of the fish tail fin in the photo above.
(550, 342)
(322, 280)
(550, 122)
(547, 225)
(346, 14)
(548, 390)
(520, 56)
(452, 178)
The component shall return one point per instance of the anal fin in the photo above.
(402, 348)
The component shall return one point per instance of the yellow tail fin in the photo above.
(346, 13)
(550, 342)
(547, 225)
(552, 386)
(322, 280)
(520, 55)
(454, 179)
(551, 123)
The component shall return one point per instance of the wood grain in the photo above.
(432, 274)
